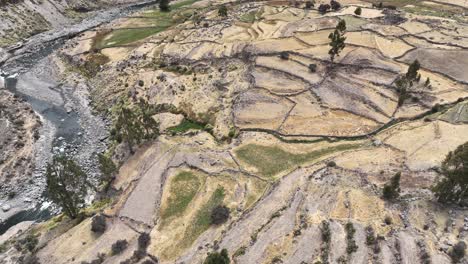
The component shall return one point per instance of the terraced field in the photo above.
(282, 146)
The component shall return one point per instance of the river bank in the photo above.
(61, 99)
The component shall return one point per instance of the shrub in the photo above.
(143, 241)
(217, 258)
(98, 224)
(458, 251)
(331, 164)
(284, 55)
(391, 190)
(219, 215)
(335, 5)
(358, 11)
(388, 220)
(370, 236)
(29, 242)
(138, 254)
(149, 261)
(119, 246)
(326, 233)
(164, 5)
(223, 11)
(309, 4)
(313, 67)
(323, 8)
(351, 243)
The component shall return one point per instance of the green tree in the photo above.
(405, 83)
(164, 5)
(150, 125)
(107, 167)
(412, 73)
(391, 190)
(66, 185)
(128, 128)
(223, 11)
(454, 185)
(135, 124)
(337, 40)
(218, 258)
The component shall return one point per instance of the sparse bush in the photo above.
(164, 5)
(370, 236)
(149, 261)
(351, 246)
(335, 5)
(119, 246)
(458, 251)
(98, 224)
(391, 190)
(143, 241)
(358, 11)
(284, 55)
(141, 83)
(312, 67)
(29, 243)
(326, 233)
(219, 215)
(428, 82)
(309, 4)
(388, 220)
(223, 11)
(30, 259)
(217, 258)
(323, 8)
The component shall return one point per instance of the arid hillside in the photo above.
(254, 117)
(20, 19)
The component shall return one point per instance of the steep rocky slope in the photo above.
(23, 18)
(283, 147)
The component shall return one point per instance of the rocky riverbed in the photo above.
(60, 99)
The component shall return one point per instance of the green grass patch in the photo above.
(202, 219)
(248, 17)
(445, 11)
(271, 160)
(162, 20)
(184, 187)
(185, 126)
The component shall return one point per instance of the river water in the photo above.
(68, 124)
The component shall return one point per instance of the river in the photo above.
(68, 124)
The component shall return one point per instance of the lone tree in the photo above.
(164, 5)
(219, 215)
(391, 190)
(454, 186)
(66, 185)
(146, 112)
(405, 83)
(218, 257)
(135, 124)
(337, 40)
(412, 74)
(223, 11)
